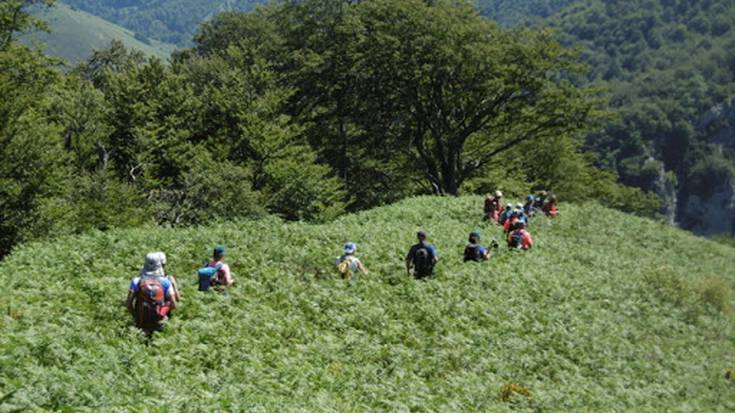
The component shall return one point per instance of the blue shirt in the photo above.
(505, 216)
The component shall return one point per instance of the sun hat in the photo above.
(350, 248)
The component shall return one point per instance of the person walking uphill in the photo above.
(519, 238)
(216, 273)
(348, 264)
(422, 257)
(151, 295)
(476, 252)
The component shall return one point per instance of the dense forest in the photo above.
(666, 68)
(669, 71)
(302, 110)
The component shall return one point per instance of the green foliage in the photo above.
(15, 18)
(32, 169)
(101, 202)
(433, 89)
(666, 64)
(585, 321)
(211, 189)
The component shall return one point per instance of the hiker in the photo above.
(151, 297)
(215, 273)
(522, 216)
(540, 200)
(550, 209)
(422, 257)
(476, 252)
(348, 264)
(493, 206)
(510, 223)
(506, 215)
(520, 238)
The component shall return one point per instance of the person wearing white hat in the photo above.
(151, 295)
(348, 264)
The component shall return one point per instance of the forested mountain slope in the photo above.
(511, 12)
(173, 21)
(607, 312)
(74, 34)
(669, 69)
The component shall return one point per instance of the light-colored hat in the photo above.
(498, 194)
(153, 265)
(350, 248)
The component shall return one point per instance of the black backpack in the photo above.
(515, 240)
(472, 253)
(423, 261)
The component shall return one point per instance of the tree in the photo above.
(14, 18)
(454, 89)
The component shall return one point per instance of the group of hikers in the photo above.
(153, 293)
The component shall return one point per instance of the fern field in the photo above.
(607, 312)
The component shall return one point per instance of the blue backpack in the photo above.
(207, 274)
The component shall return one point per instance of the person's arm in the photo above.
(129, 301)
(434, 253)
(409, 261)
(227, 275)
(176, 293)
(361, 267)
(486, 253)
(529, 240)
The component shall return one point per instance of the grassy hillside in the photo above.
(608, 313)
(75, 34)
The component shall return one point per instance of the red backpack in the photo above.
(149, 303)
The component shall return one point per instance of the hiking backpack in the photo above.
(423, 261)
(149, 302)
(208, 276)
(472, 253)
(516, 239)
(345, 266)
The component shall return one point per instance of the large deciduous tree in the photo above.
(455, 89)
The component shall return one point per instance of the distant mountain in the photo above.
(175, 21)
(172, 21)
(74, 34)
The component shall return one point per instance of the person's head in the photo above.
(350, 248)
(544, 194)
(519, 206)
(219, 252)
(487, 196)
(422, 235)
(520, 225)
(474, 237)
(153, 264)
(498, 194)
(529, 198)
(508, 206)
